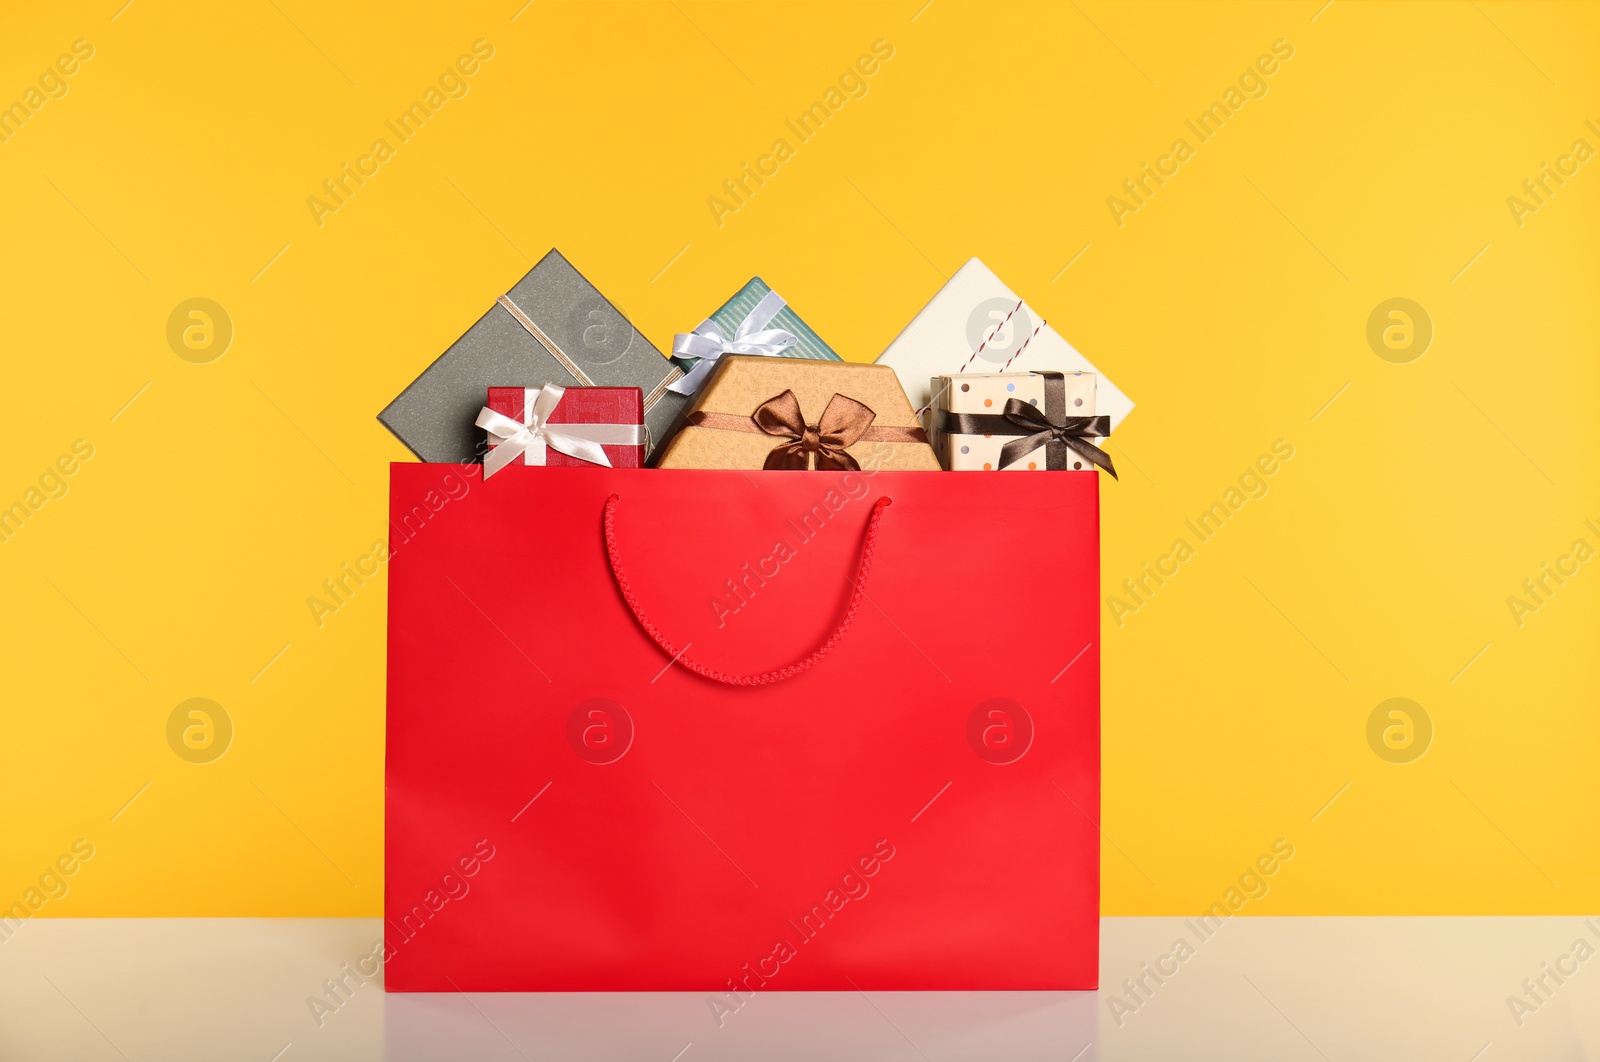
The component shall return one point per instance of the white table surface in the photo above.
(1263, 988)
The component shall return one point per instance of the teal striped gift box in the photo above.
(736, 309)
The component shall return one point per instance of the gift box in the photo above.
(553, 327)
(1038, 421)
(975, 324)
(777, 413)
(755, 321)
(554, 425)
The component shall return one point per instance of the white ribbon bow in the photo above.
(534, 433)
(708, 343)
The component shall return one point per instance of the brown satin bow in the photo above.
(1057, 433)
(1033, 427)
(821, 445)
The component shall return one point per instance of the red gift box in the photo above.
(597, 416)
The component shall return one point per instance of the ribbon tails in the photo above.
(708, 343)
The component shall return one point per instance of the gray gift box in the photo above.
(553, 327)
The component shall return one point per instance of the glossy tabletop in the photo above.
(1258, 988)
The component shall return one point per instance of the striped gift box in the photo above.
(736, 309)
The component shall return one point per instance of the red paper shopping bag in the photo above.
(730, 732)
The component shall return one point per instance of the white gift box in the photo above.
(977, 324)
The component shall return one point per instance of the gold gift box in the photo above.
(782, 413)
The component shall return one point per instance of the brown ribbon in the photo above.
(821, 446)
(1049, 427)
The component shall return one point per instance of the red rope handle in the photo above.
(766, 677)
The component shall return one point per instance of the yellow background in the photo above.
(1232, 307)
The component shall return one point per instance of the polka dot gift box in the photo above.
(1017, 422)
